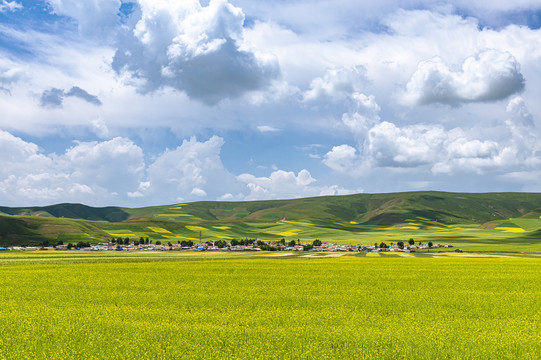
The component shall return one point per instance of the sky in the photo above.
(149, 102)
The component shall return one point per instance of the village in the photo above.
(235, 245)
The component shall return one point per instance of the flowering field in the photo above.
(189, 305)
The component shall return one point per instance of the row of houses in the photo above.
(211, 246)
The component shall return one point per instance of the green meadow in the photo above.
(514, 234)
(473, 222)
(82, 305)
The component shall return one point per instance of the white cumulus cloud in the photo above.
(97, 173)
(492, 75)
(389, 145)
(282, 184)
(337, 84)
(191, 171)
(114, 165)
(432, 147)
(343, 158)
(364, 116)
(192, 48)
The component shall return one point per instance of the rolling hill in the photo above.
(71, 211)
(333, 217)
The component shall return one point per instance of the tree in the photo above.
(430, 244)
(411, 242)
(283, 241)
(292, 243)
(234, 242)
(127, 241)
(186, 243)
(70, 246)
(158, 242)
(220, 244)
(400, 244)
(383, 245)
(316, 242)
(146, 241)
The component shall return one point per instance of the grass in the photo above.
(477, 222)
(202, 306)
(523, 235)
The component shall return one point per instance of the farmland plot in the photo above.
(187, 305)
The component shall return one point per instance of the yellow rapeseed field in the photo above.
(82, 305)
(159, 230)
(119, 234)
(174, 215)
(195, 228)
(510, 229)
(372, 254)
(292, 232)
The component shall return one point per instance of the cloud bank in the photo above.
(382, 144)
(192, 48)
(114, 172)
(347, 96)
(88, 172)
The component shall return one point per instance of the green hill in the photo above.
(71, 211)
(34, 230)
(428, 215)
(380, 209)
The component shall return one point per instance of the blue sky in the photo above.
(150, 102)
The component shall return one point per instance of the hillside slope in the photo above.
(34, 230)
(331, 215)
(379, 209)
(71, 211)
